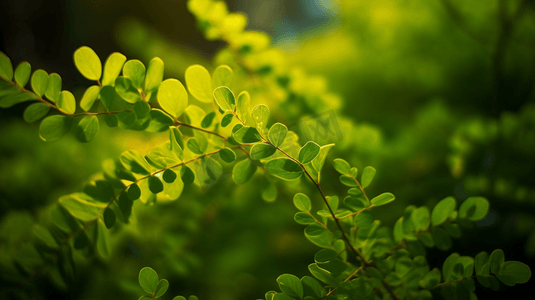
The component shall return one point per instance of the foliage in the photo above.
(359, 258)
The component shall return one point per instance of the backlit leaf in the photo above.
(89, 97)
(154, 76)
(39, 82)
(199, 83)
(35, 112)
(54, 127)
(225, 98)
(284, 168)
(259, 151)
(112, 68)
(88, 63)
(135, 71)
(173, 97)
(308, 152)
(148, 279)
(66, 102)
(87, 129)
(22, 73)
(243, 171)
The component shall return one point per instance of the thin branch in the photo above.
(54, 106)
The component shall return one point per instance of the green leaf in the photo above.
(284, 168)
(89, 98)
(323, 275)
(54, 127)
(154, 76)
(481, 259)
(11, 96)
(159, 121)
(243, 171)
(103, 240)
(112, 68)
(325, 255)
(227, 155)
(259, 151)
(111, 120)
(308, 152)
(304, 218)
(513, 272)
(135, 71)
(35, 112)
(127, 117)
(126, 90)
(145, 297)
(496, 260)
(431, 279)
(277, 134)
(66, 102)
(79, 208)
(142, 109)
(383, 199)
(367, 176)
(194, 147)
(199, 83)
(6, 68)
(173, 97)
(348, 181)
(179, 298)
(155, 159)
(312, 287)
(133, 192)
(448, 267)
(247, 135)
(222, 76)
(290, 285)
(442, 210)
(318, 235)
(281, 296)
(39, 82)
(227, 119)
(355, 203)
(53, 87)
(225, 98)
(135, 162)
(474, 208)
(44, 236)
(318, 162)
(177, 143)
(109, 218)
(169, 176)
(260, 114)
(302, 202)
(242, 105)
(87, 129)
(155, 185)
(420, 218)
(22, 73)
(187, 175)
(100, 190)
(125, 206)
(341, 166)
(207, 120)
(441, 238)
(148, 279)
(109, 97)
(162, 287)
(88, 63)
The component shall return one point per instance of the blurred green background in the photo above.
(440, 94)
